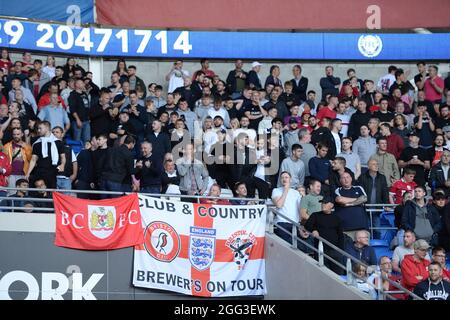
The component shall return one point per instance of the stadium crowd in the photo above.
(319, 157)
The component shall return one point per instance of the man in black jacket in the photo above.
(159, 140)
(253, 80)
(119, 165)
(329, 84)
(149, 170)
(99, 114)
(299, 83)
(439, 174)
(433, 288)
(79, 103)
(359, 118)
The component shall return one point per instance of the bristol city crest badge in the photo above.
(161, 241)
(202, 247)
(240, 243)
(102, 220)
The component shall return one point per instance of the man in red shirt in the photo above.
(45, 99)
(399, 187)
(395, 144)
(434, 86)
(328, 111)
(5, 171)
(415, 266)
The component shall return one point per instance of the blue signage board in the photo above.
(73, 11)
(222, 45)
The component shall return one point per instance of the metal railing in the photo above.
(321, 255)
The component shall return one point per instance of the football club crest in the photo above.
(202, 247)
(102, 220)
(370, 45)
(161, 241)
(241, 243)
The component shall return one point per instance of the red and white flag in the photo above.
(97, 224)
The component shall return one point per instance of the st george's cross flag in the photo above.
(201, 249)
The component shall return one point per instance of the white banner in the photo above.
(201, 249)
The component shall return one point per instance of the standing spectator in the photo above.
(395, 144)
(374, 184)
(295, 166)
(419, 79)
(50, 67)
(274, 77)
(79, 103)
(158, 99)
(27, 94)
(299, 83)
(5, 172)
(170, 178)
(444, 234)
(320, 167)
(350, 206)
(344, 117)
(328, 111)
(360, 118)
(369, 93)
(399, 187)
(435, 287)
(421, 217)
(217, 109)
(19, 155)
(387, 163)
(176, 76)
(47, 152)
(65, 178)
(55, 114)
(45, 99)
(434, 86)
(236, 80)
(385, 82)
(254, 111)
(205, 69)
(360, 248)
(136, 83)
(159, 140)
(416, 158)
(401, 128)
(85, 174)
(240, 191)
(308, 149)
(439, 174)
(336, 144)
(287, 201)
(352, 160)
(406, 88)
(329, 83)
(443, 119)
(99, 114)
(282, 110)
(291, 135)
(384, 115)
(337, 169)
(193, 173)
(414, 266)
(119, 165)
(253, 79)
(149, 170)
(189, 116)
(424, 126)
(365, 146)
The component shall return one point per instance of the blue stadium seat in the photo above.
(77, 145)
(387, 218)
(382, 251)
(379, 243)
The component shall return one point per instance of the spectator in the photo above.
(401, 128)
(434, 86)
(149, 170)
(47, 152)
(236, 80)
(338, 167)
(435, 287)
(20, 185)
(159, 140)
(71, 67)
(369, 93)
(399, 187)
(395, 144)
(415, 158)
(266, 122)
(421, 217)
(275, 101)
(45, 99)
(85, 174)
(341, 113)
(99, 114)
(424, 126)
(79, 102)
(215, 191)
(443, 119)
(16, 83)
(406, 88)
(291, 135)
(329, 83)
(19, 155)
(176, 76)
(386, 161)
(439, 174)
(311, 202)
(158, 99)
(365, 146)
(327, 225)
(217, 109)
(44, 195)
(170, 180)
(407, 248)
(295, 166)
(205, 69)
(299, 83)
(414, 266)
(240, 191)
(253, 79)
(287, 201)
(360, 248)
(308, 149)
(444, 234)
(360, 118)
(350, 206)
(438, 255)
(361, 280)
(373, 125)
(136, 83)
(119, 165)
(55, 114)
(192, 172)
(383, 114)
(374, 184)
(320, 167)
(274, 77)
(65, 178)
(385, 266)
(352, 160)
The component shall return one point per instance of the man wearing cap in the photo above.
(416, 158)
(253, 79)
(414, 266)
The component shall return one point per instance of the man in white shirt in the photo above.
(176, 76)
(386, 81)
(287, 202)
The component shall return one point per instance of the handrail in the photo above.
(345, 254)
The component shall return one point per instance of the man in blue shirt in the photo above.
(320, 167)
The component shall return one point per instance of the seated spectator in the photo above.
(398, 213)
(20, 185)
(415, 157)
(421, 217)
(407, 248)
(399, 187)
(28, 206)
(192, 172)
(215, 191)
(350, 206)
(414, 266)
(327, 225)
(295, 166)
(361, 280)
(240, 191)
(149, 170)
(385, 266)
(169, 178)
(360, 248)
(435, 287)
(287, 201)
(439, 174)
(312, 201)
(438, 255)
(42, 194)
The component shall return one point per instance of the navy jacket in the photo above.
(365, 254)
(409, 217)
